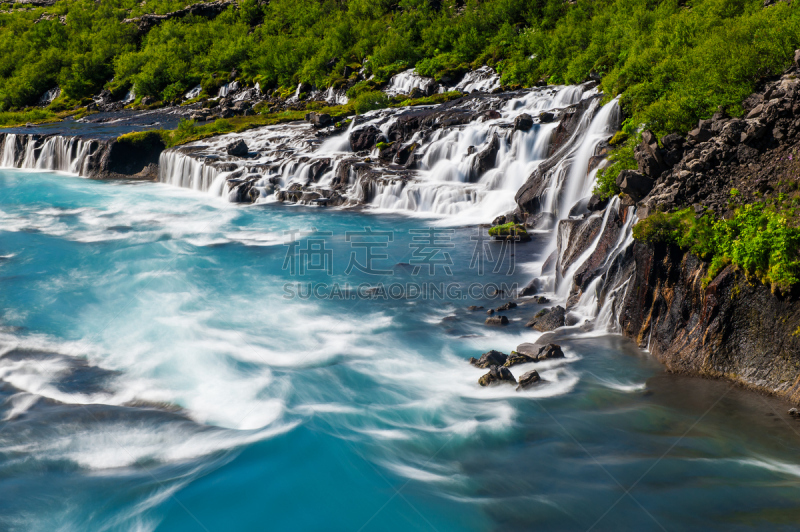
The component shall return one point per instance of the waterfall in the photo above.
(55, 153)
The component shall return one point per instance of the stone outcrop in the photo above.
(730, 326)
(204, 9)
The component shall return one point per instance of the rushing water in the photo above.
(155, 377)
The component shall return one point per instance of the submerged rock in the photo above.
(497, 374)
(548, 319)
(490, 358)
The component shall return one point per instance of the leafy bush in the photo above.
(758, 239)
(618, 160)
(369, 101)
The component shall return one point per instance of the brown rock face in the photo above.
(733, 328)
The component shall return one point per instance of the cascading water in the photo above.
(56, 153)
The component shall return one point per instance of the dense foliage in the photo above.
(759, 239)
(674, 61)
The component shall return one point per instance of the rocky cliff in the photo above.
(734, 327)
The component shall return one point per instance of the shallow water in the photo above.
(155, 377)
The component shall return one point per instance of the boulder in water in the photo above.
(539, 352)
(528, 379)
(548, 319)
(516, 358)
(506, 306)
(237, 149)
(546, 117)
(485, 160)
(530, 289)
(543, 221)
(497, 320)
(497, 374)
(490, 358)
(523, 122)
(365, 138)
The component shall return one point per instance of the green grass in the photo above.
(32, 116)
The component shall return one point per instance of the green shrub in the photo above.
(369, 101)
(758, 239)
(621, 158)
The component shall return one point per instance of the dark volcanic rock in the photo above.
(732, 328)
(485, 160)
(497, 374)
(528, 379)
(634, 184)
(490, 358)
(497, 320)
(365, 138)
(548, 319)
(237, 149)
(538, 352)
(523, 122)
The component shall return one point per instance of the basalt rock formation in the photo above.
(733, 327)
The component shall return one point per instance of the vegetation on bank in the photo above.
(673, 61)
(760, 239)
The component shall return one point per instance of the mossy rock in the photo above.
(509, 231)
(618, 138)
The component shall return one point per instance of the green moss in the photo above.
(509, 230)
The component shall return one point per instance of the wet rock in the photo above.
(490, 311)
(794, 412)
(490, 358)
(485, 160)
(634, 184)
(506, 306)
(529, 289)
(596, 203)
(541, 300)
(237, 148)
(497, 320)
(365, 138)
(497, 374)
(546, 117)
(528, 379)
(474, 307)
(543, 221)
(523, 122)
(515, 359)
(539, 352)
(548, 319)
